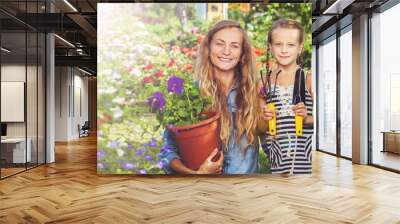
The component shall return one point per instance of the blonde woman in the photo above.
(225, 70)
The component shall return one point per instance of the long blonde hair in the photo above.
(245, 73)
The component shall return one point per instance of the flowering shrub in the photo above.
(144, 71)
(181, 105)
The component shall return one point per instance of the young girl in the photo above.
(288, 153)
(226, 71)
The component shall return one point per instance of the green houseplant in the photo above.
(183, 111)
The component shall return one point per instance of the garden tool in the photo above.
(268, 98)
(299, 96)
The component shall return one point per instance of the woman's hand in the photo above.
(300, 110)
(210, 167)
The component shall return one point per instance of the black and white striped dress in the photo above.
(282, 146)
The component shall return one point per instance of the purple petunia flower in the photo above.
(148, 157)
(175, 85)
(161, 164)
(142, 171)
(100, 165)
(100, 154)
(128, 166)
(113, 144)
(153, 142)
(156, 101)
(139, 152)
(130, 147)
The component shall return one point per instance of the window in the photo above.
(346, 92)
(327, 95)
(385, 88)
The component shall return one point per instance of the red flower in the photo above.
(200, 39)
(171, 62)
(148, 80)
(257, 51)
(185, 50)
(189, 67)
(149, 66)
(158, 73)
(270, 64)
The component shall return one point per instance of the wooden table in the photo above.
(391, 141)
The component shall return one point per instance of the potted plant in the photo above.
(181, 108)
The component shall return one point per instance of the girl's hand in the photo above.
(266, 113)
(300, 110)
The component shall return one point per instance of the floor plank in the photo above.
(70, 191)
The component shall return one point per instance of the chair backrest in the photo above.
(86, 125)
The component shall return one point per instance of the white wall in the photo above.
(33, 126)
(71, 93)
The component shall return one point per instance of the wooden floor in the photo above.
(70, 191)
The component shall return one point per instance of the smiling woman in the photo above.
(225, 70)
(226, 49)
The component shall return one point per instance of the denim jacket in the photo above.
(236, 161)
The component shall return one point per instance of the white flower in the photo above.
(108, 90)
(119, 100)
(116, 74)
(117, 113)
(127, 64)
(135, 72)
(140, 24)
(107, 72)
(120, 152)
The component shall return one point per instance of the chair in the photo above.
(84, 130)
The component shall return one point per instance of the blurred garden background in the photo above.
(140, 46)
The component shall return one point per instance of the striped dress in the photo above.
(282, 146)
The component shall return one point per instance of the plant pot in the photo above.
(197, 141)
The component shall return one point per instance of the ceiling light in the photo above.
(5, 50)
(70, 5)
(337, 7)
(64, 40)
(84, 71)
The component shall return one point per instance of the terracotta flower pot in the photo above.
(197, 141)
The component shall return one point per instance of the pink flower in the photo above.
(148, 80)
(149, 66)
(171, 62)
(200, 39)
(185, 50)
(195, 30)
(158, 73)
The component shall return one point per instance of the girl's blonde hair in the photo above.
(245, 71)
